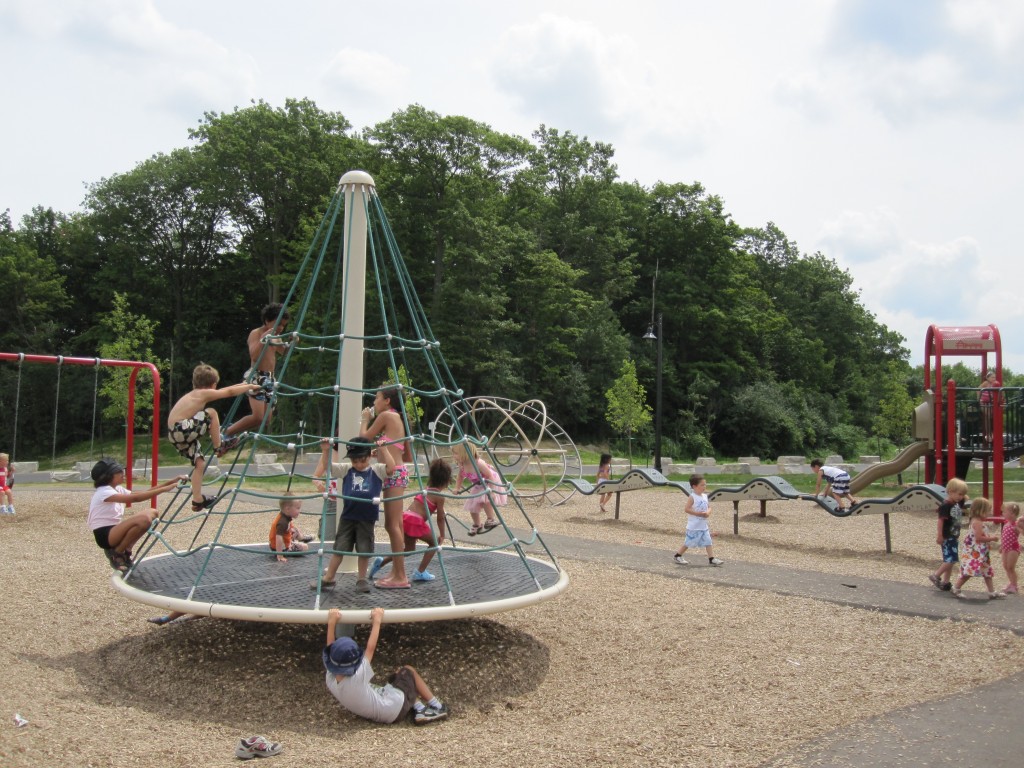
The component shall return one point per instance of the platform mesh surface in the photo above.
(252, 577)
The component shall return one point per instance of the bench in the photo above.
(633, 480)
(763, 490)
(916, 498)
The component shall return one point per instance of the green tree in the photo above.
(275, 167)
(448, 170)
(552, 311)
(446, 176)
(581, 216)
(596, 356)
(896, 406)
(130, 338)
(628, 410)
(696, 418)
(767, 418)
(34, 292)
(164, 232)
(410, 400)
(719, 316)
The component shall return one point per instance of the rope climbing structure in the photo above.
(339, 350)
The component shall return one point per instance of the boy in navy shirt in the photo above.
(361, 489)
(951, 513)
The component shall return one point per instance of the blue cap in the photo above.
(343, 657)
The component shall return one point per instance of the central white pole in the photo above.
(357, 186)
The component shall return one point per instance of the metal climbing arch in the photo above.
(524, 441)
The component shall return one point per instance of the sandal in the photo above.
(116, 560)
(206, 503)
(159, 620)
(475, 530)
(226, 445)
(385, 584)
(488, 525)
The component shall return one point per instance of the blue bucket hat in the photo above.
(343, 657)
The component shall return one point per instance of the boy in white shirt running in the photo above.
(698, 532)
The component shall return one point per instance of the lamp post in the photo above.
(654, 334)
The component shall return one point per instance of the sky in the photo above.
(886, 135)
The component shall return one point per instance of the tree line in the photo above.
(535, 262)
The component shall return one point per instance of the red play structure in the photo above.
(967, 428)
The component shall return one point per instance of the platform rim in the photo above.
(351, 616)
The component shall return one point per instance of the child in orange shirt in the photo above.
(284, 534)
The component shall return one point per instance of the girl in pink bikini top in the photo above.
(383, 423)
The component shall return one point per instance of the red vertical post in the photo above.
(998, 443)
(950, 430)
(130, 437)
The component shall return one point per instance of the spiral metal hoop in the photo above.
(523, 439)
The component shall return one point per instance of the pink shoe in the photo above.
(1010, 590)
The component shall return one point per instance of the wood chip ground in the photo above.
(625, 669)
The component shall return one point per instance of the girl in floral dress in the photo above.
(974, 554)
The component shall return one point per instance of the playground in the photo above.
(641, 662)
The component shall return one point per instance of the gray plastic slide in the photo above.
(900, 462)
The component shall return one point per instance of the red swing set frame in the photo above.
(136, 366)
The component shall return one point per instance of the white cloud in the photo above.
(138, 54)
(573, 76)
(861, 236)
(896, 271)
(995, 24)
(905, 90)
(564, 71)
(807, 92)
(918, 59)
(366, 76)
(910, 285)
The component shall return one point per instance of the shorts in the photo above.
(398, 479)
(354, 536)
(840, 484)
(265, 381)
(414, 526)
(102, 536)
(403, 681)
(701, 538)
(186, 434)
(951, 550)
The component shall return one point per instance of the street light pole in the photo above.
(654, 334)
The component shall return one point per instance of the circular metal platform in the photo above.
(247, 582)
